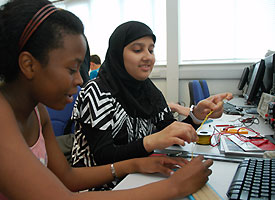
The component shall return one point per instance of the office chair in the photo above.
(61, 119)
(205, 89)
(195, 92)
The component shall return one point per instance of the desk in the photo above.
(220, 179)
(222, 172)
(239, 102)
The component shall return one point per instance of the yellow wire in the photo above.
(206, 117)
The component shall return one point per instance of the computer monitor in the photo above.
(268, 74)
(251, 69)
(255, 83)
(244, 78)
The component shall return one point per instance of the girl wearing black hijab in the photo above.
(121, 114)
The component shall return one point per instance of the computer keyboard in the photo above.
(253, 180)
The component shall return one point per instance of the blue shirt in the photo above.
(93, 74)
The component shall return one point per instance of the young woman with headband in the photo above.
(42, 48)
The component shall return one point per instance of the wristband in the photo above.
(196, 120)
(113, 171)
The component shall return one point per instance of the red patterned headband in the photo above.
(33, 24)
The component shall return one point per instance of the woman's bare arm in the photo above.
(24, 177)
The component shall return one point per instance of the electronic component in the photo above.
(271, 114)
(262, 108)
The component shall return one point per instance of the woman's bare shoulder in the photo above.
(6, 113)
(4, 103)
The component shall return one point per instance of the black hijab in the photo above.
(138, 98)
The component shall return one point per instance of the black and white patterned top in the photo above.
(105, 133)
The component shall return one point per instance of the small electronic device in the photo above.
(271, 114)
(262, 108)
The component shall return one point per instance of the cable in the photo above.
(249, 121)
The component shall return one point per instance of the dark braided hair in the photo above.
(14, 16)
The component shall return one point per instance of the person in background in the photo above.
(121, 114)
(95, 63)
(42, 49)
(177, 108)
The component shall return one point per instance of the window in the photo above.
(226, 30)
(101, 17)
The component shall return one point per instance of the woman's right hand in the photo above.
(191, 177)
(175, 133)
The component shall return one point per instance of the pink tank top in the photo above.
(38, 149)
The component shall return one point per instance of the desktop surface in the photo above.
(220, 179)
(224, 167)
(240, 102)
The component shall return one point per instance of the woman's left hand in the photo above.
(213, 103)
(159, 164)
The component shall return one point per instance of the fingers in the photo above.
(199, 158)
(166, 171)
(180, 161)
(181, 132)
(190, 133)
(207, 105)
(169, 165)
(179, 141)
(175, 133)
(229, 96)
(172, 106)
(208, 163)
(220, 97)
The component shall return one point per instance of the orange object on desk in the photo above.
(235, 131)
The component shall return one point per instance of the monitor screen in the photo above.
(255, 82)
(268, 74)
(251, 68)
(244, 78)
